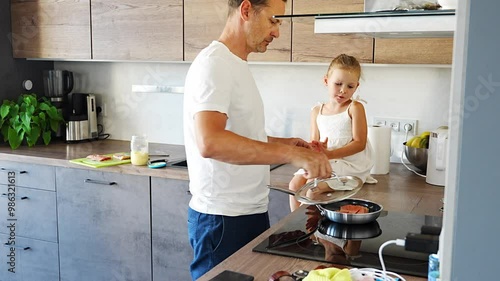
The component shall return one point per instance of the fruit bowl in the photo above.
(417, 157)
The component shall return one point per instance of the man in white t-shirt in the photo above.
(227, 149)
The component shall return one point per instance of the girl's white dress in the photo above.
(338, 129)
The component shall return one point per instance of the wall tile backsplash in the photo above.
(289, 92)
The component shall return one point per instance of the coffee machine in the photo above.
(81, 118)
(57, 85)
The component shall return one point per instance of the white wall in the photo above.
(289, 91)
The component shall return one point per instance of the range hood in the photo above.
(386, 23)
(389, 24)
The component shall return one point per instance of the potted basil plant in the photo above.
(28, 119)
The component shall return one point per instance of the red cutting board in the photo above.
(100, 164)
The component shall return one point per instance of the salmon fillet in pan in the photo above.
(354, 209)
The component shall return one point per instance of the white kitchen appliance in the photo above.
(437, 154)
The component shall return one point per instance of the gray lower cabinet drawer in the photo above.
(32, 260)
(33, 211)
(104, 226)
(172, 253)
(27, 175)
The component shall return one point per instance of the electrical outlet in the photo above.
(394, 124)
(397, 125)
(104, 110)
(408, 125)
(378, 121)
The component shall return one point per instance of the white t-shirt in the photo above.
(220, 81)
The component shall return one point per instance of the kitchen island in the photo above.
(400, 190)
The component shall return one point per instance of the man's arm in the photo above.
(215, 142)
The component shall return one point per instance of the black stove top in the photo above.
(309, 236)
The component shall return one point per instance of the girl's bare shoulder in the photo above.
(356, 105)
(356, 109)
(316, 108)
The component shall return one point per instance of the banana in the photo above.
(409, 142)
(424, 143)
(425, 134)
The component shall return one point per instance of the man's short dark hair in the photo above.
(257, 4)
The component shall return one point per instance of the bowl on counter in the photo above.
(417, 157)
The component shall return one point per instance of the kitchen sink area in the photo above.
(275, 166)
(182, 163)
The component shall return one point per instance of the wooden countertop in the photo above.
(59, 153)
(400, 190)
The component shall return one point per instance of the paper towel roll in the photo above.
(380, 139)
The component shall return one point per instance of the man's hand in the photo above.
(315, 164)
(290, 141)
(299, 142)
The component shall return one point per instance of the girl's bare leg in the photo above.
(295, 184)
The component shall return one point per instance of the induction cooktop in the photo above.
(308, 235)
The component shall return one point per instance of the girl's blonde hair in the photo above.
(345, 62)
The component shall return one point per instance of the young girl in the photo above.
(339, 127)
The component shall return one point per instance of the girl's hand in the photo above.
(325, 144)
(319, 146)
(316, 146)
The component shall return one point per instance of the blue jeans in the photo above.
(215, 237)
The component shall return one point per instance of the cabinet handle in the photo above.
(16, 247)
(100, 182)
(12, 170)
(17, 197)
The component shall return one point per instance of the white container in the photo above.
(380, 140)
(139, 150)
(436, 160)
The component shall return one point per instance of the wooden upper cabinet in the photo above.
(414, 51)
(204, 21)
(177, 30)
(310, 47)
(137, 30)
(51, 29)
